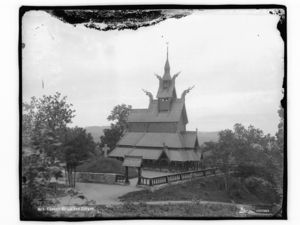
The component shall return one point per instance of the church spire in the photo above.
(167, 75)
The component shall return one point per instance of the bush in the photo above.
(262, 189)
(202, 184)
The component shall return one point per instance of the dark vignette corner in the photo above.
(282, 28)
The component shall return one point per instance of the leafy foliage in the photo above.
(44, 121)
(250, 153)
(36, 175)
(119, 116)
(280, 132)
(78, 146)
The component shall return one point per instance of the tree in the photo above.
(119, 116)
(44, 120)
(247, 152)
(278, 155)
(27, 123)
(35, 185)
(78, 146)
(223, 153)
(51, 115)
(280, 132)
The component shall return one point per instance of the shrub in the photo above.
(262, 189)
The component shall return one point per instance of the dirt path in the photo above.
(106, 193)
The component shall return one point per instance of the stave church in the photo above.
(156, 137)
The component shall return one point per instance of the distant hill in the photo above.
(96, 131)
(207, 136)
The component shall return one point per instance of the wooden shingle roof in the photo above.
(178, 146)
(120, 152)
(182, 156)
(153, 115)
(189, 139)
(152, 154)
(159, 140)
(172, 140)
(132, 161)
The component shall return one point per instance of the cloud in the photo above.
(234, 58)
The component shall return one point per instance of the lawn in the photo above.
(179, 210)
(209, 189)
(142, 210)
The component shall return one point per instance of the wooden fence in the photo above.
(177, 177)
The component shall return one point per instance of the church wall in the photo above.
(162, 127)
(164, 104)
(137, 127)
(153, 127)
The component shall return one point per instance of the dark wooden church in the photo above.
(157, 137)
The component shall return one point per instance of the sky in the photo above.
(235, 59)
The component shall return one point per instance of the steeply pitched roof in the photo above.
(180, 155)
(172, 140)
(158, 140)
(190, 155)
(132, 161)
(152, 154)
(131, 138)
(189, 139)
(153, 115)
(120, 152)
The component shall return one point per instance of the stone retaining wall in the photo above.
(87, 177)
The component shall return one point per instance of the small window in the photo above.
(164, 99)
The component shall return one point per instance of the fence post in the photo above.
(167, 179)
(150, 181)
(139, 176)
(126, 175)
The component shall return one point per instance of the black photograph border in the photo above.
(283, 31)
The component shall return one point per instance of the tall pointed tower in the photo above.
(166, 92)
(158, 133)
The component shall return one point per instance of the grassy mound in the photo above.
(209, 189)
(105, 165)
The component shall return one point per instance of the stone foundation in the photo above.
(87, 177)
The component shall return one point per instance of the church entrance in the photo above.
(163, 162)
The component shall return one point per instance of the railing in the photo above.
(177, 177)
